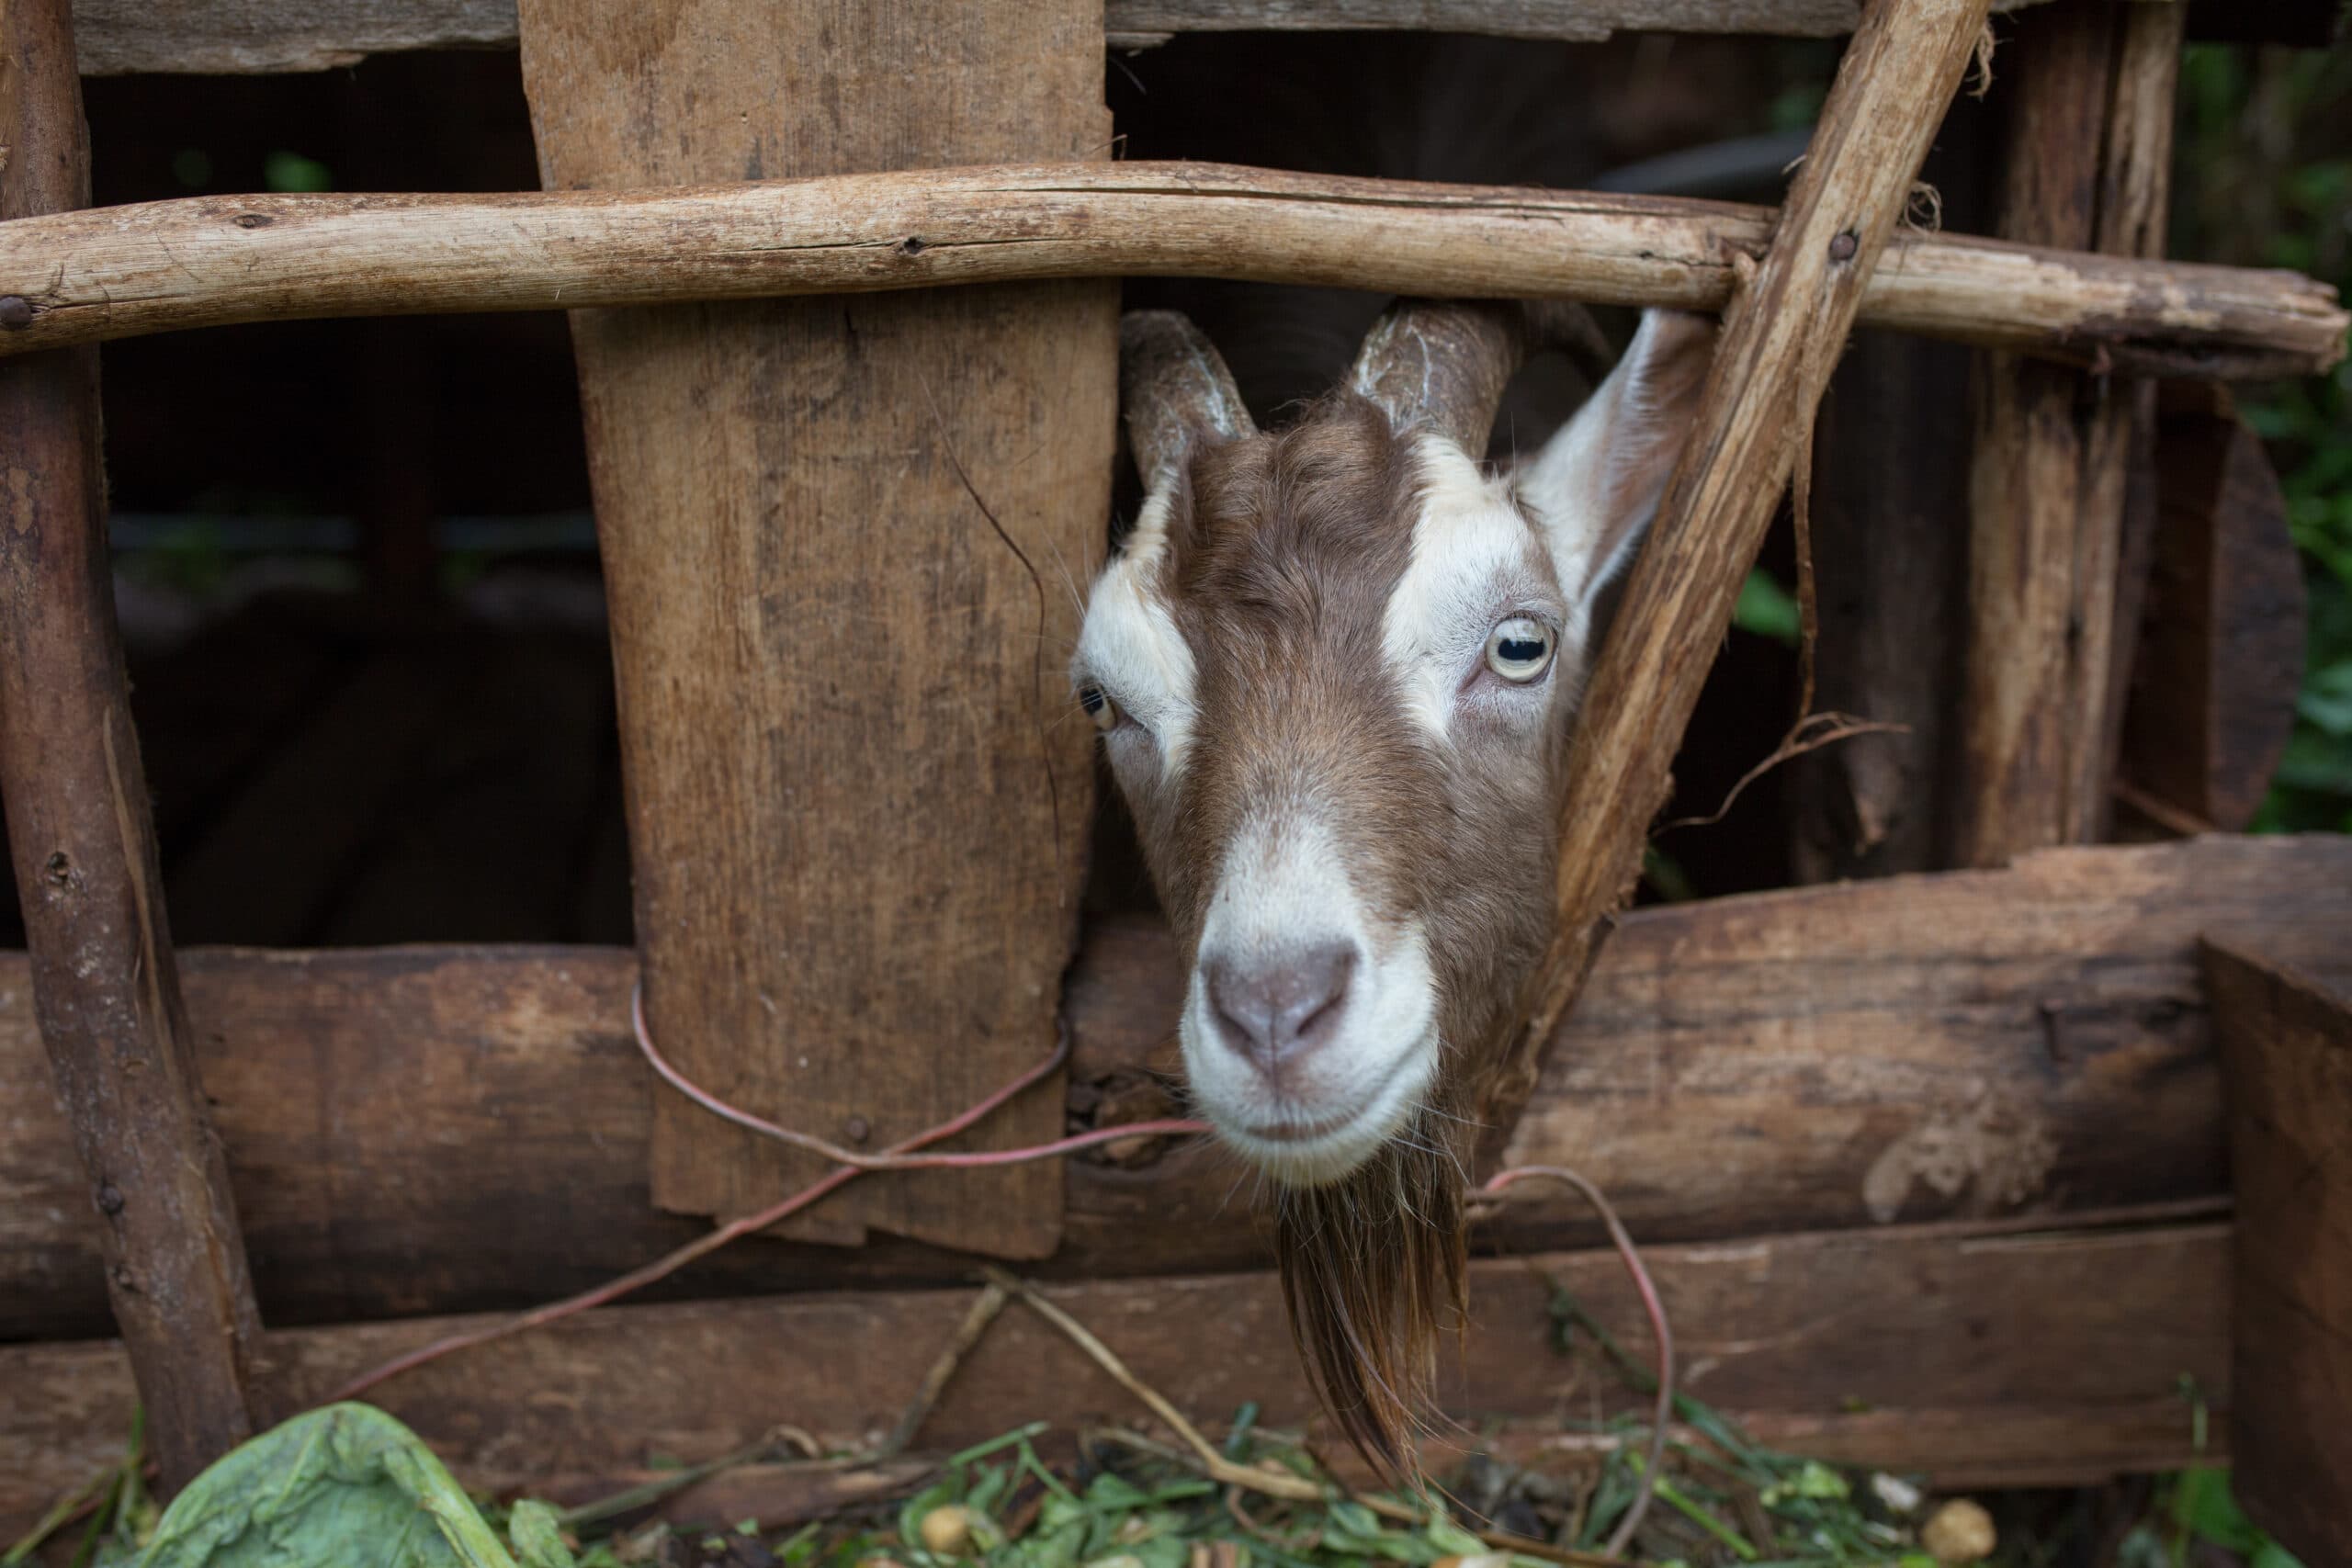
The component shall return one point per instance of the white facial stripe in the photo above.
(1284, 889)
(1130, 643)
(1474, 558)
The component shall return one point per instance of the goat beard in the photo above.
(1375, 1270)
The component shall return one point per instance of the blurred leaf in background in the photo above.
(284, 171)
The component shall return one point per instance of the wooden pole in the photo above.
(207, 261)
(104, 985)
(1781, 340)
(834, 533)
(2087, 166)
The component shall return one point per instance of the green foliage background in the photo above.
(2264, 178)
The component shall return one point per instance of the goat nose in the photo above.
(1275, 1012)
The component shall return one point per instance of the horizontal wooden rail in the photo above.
(1974, 1353)
(1968, 1046)
(164, 266)
(216, 37)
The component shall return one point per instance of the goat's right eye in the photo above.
(1099, 707)
(1520, 649)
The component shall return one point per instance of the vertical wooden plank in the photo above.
(2221, 656)
(2286, 1042)
(1890, 548)
(104, 985)
(856, 815)
(1890, 551)
(2086, 167)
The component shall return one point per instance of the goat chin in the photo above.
(1342, 1142)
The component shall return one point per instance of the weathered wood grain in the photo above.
(2087, 166)
(121, 37)
(2075, 1334)
(855, 827)
(207, 261)
(1781, 340)
(2221, 653)
(435, 1129)
(1890, 546)
(2286, 1039)
(151, 1188)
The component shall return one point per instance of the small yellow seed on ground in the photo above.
(1960, 1531)
(947, 1529)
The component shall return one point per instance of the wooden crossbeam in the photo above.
(1974, 1352)
(217, 37)
(1968, 1046)
(209, 261)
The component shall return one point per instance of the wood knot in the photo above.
(15, 310)
(254, 220)
(911, 245)
(57, 870)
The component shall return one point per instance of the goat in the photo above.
(1334, 667)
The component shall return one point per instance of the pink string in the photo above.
(848, 1164)
(892, 1159)
(1648, 1291)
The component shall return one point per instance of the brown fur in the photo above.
(1283, 550)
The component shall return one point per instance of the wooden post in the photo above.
(2087, 167)
(2212, 701)
(1890, 556)
(1890, 546)
(837, 536)
(1781, 340)
(104, 985)
(2286, 1039)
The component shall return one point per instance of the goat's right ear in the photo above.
(1596, 485)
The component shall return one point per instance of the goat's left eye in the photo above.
(1521, 650)
(1099, 707)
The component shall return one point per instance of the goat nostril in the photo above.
(1282, 1008)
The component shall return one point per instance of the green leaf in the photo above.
(1114, 1493)
(537, 1539)
(2326, 699)
(1768, 609)
(285, 171)
(2203, 1506)
(346, 1484)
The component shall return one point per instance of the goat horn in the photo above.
(1176, 388)
(1443, 364)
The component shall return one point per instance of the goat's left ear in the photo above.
(1596, 485)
